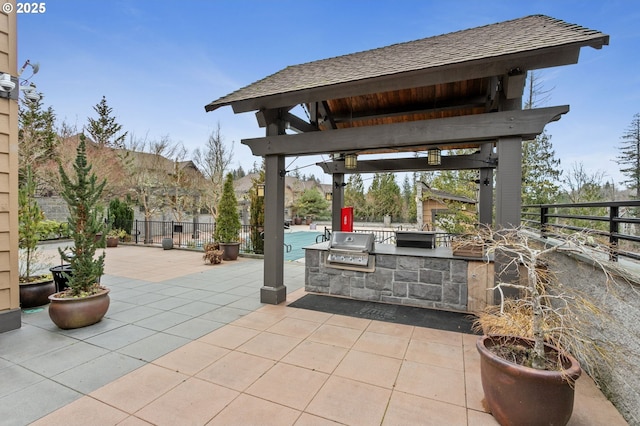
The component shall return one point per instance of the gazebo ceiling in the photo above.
(464, 73)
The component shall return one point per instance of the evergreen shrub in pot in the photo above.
(227, 231)
(85, 301)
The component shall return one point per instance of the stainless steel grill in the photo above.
(351, 250)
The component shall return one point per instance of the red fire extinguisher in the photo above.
(346, 219)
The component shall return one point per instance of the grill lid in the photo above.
(352, 241)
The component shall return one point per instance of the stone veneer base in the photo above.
(411, 278)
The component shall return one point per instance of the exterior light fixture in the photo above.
(350, 161)
(10, 87)
(434, 158)
(328, 196)
(6, 85)
(260, 190)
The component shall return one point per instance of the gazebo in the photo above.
(452, 91)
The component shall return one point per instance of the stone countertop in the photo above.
(391, 249)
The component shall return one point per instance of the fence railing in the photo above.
(614, 223)
(183, 234)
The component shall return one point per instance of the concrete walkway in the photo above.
(185, 343)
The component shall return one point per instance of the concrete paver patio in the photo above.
(188, 343)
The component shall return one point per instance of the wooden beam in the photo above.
(488, 67)
(413, 164)
(295, 122)
(476, 102)
(491, 126)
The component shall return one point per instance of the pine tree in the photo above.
(384, 196)
(104, 130)
(354, 195)
(540, 168)
(38, 141)
(540, 173)
(311, 203)
(630, 155)
(409, 200)
(82, 193)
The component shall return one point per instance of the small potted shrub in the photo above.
(212, 254)
(85, 302)
(528, 368)
(227, 231)
(35, 288)
(114, 236)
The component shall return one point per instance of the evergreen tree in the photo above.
(409, 200)
(82, 193)
(354, 195)
(312, 203)
(38, 141)
(228, 222)
(257, 214)
(104, 130)
(120, 215)
(384, 197)
(540, 173)
(540, 168)
(630, 155)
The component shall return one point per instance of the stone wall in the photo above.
(55, 208)
(407, 280)
(617, 323)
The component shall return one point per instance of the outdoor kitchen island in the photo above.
(426, 277)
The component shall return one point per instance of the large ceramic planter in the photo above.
(112, 241)
(518, 395)
(69, 313)
(36, 293)
(230, 251)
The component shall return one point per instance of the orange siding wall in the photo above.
(9, 289)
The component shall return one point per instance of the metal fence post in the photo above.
(613, 231)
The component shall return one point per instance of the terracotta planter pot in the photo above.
(36, 293)
(112, 241)
(230, 251)
(69, 313)
(519, 395)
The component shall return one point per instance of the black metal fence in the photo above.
(614, 223)
(183, 234)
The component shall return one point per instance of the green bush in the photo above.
(52, 229)
(120, 215)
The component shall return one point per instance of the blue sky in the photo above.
(159, 62)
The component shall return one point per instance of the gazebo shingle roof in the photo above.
(526, 34)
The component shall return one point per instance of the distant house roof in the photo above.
(142, 159)
(436, 194)
(244, 184)
(517, 36)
